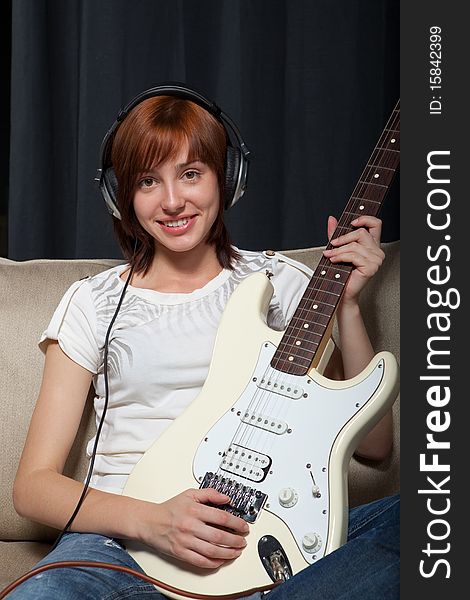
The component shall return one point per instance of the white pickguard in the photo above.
(307, 426)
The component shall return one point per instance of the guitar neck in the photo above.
(304, 335)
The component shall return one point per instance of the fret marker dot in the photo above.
(315, 306)
(392, 140)
(323, 273)
(361, 207)
(291, 358)
(376, 175)
(297, 343)
(305, 325)
(337, 276)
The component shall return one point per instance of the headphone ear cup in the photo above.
(111, 188)
(232, 173)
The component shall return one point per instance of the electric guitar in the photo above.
(268, 428)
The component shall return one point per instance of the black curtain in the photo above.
(310, 84)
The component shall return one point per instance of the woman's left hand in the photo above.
(360, 247)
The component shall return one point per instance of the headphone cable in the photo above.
(103, 415)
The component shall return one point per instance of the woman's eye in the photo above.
(146, 182)
(191, 175)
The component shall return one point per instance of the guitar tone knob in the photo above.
(311, 542)
(288, 497)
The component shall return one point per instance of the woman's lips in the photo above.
(178, 229)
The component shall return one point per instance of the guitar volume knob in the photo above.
(288, 497)
(311, 542)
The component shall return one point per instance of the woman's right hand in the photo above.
(185, 528)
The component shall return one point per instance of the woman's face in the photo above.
(178, 202)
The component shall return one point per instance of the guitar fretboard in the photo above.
(303, 337)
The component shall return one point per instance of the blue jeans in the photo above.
(365, 568)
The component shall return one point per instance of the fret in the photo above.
(345, 228)
(313, 315)
(307, 349)
(366, 206)
(365, 199)
(387, 149)
(319, 298)
(373, 183)
(329, 269)
(343, 267)
(381, 176)
(306, 336)
(291, 368)
(336, 281)
(374, 194)
(325, 304)
(299, 351)
(381, 167)
(305, 342)
(324, 294)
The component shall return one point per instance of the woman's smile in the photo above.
(178, 226)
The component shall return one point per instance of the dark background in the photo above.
(310, 83)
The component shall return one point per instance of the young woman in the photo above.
(169, 160)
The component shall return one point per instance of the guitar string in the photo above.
(358, 192)
(379, 152)
(374, 163)
(246, 433)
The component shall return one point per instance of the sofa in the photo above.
(29, 293)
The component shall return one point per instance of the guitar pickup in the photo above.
(246, 463)
(265, 422)
(283, 388)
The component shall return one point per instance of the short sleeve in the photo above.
(74, 326)
(290, 280)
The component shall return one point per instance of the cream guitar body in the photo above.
(279, 443)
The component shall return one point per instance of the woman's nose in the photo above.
(172, 201)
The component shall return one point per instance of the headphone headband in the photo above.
(236, 167)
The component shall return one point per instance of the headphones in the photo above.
(236, 163)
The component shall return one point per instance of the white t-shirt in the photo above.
(159, 349)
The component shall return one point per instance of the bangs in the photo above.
(158, 146)
(161, 131)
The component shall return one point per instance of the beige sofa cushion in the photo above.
(29, 294)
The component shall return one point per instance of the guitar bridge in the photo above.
(245, 502)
